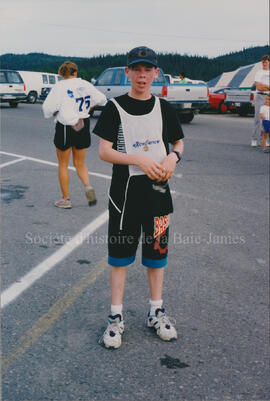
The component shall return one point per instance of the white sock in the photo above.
(116, 310)
(154, 305)
(86, 187)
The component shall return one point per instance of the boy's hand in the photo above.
(152, 169)
(168, 165)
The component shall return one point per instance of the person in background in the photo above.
(183, 80)
(70, 101)
(262, 79)
(265, 117)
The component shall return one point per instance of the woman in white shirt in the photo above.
(70, 101)
(265, 117)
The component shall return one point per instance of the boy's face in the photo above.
(267, 101)
(141, 77)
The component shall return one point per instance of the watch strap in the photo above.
(178, 155)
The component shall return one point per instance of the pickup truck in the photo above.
(241, 99)
(187, 99)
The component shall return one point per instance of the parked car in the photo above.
(171, 79)
(187, 99)
(35, 81)
(217, 98)
(12, 88)
(241, 99)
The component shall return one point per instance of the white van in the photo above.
(12, 88)
(35, 81)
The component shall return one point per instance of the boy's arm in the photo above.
(152, 169)
(262, 116)
(169, 163)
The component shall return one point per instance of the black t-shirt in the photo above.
(108, 127)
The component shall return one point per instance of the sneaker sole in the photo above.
(92, 203)
(168, 340)
(63, 207)
(111, 347)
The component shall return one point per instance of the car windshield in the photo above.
(13, 77)
(3, 78)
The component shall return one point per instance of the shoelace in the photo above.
(167, 320)
(114, 326)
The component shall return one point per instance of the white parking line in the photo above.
(33, 159)
(12, 162)
(16, 289)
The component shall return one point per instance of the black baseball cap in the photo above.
(142, 54)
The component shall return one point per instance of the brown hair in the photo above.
(266, 57)
(66, 69)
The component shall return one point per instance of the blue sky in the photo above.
(92, 27)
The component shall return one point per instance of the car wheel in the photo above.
(243, 111)
(186, 118)
(223, 108)
(13, 104)
(32, 97)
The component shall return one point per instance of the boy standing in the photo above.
(135, 131)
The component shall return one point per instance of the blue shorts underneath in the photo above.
(266, 126)
(152, 263)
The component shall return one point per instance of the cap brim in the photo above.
(142, 60)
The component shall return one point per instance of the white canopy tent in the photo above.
(243, 77)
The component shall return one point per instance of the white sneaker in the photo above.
(112, 337)
(267, 142)
(63, 204)
(162, 324)
(254, 143)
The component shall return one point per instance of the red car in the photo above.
(216, 100)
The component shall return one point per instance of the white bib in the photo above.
(143, 134)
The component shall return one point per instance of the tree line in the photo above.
(194, 67)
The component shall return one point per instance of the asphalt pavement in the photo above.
(55, 278)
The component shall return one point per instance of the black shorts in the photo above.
(153, 232)
(66, 137)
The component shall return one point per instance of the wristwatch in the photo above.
(178, 155)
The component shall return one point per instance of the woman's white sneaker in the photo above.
(162, 324)
(63, 204)
(112, 337)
